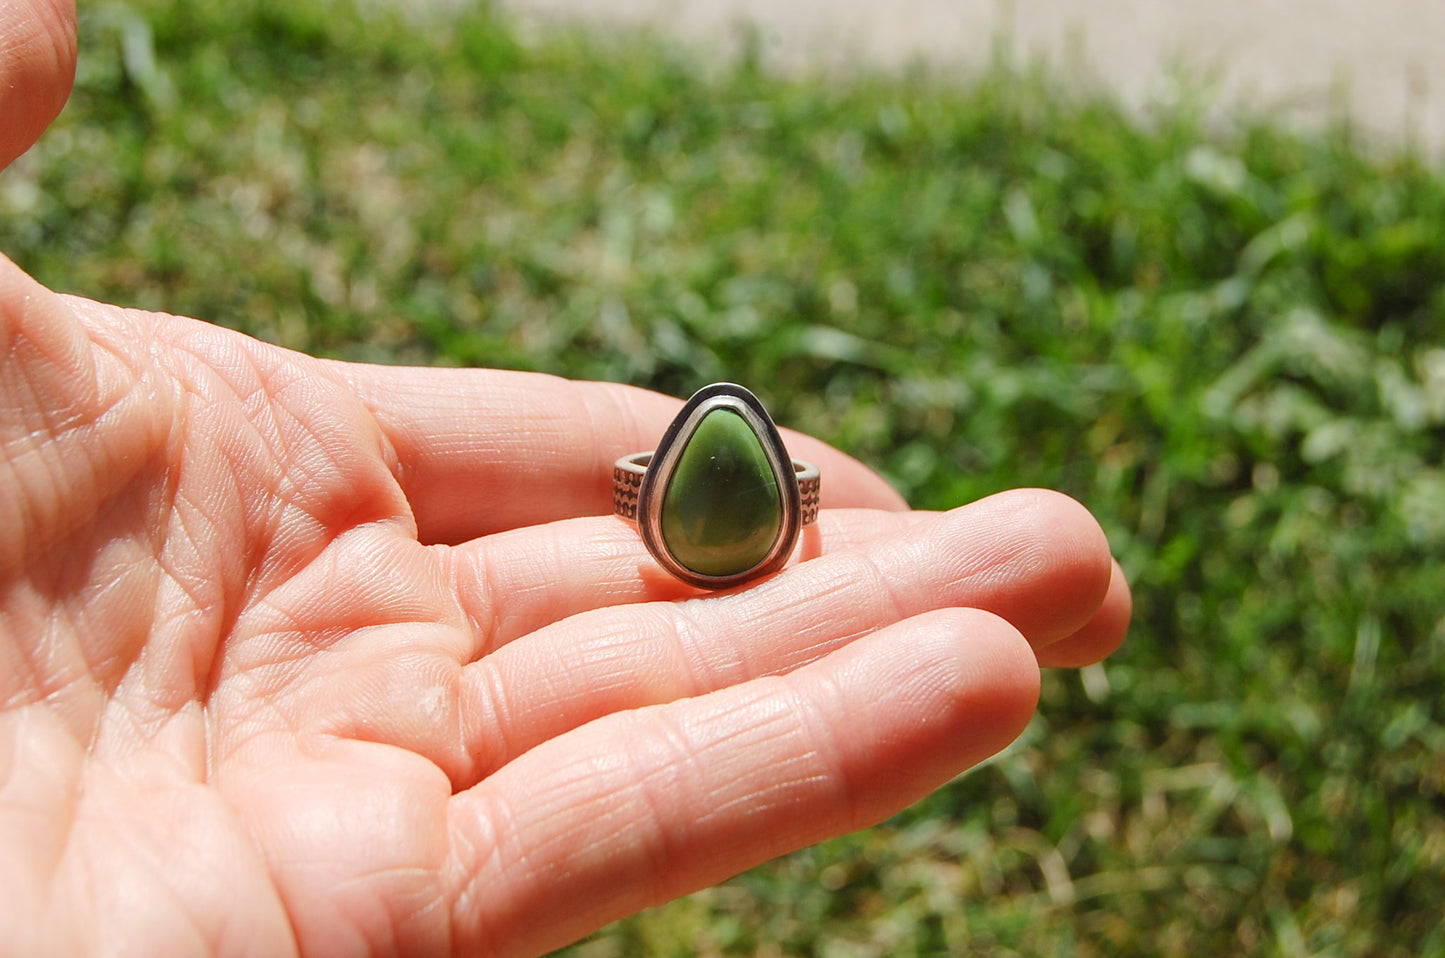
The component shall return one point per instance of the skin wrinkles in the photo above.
(101, 458)
(510, 592)
(40, 792)
(786, 630)
(479, 592)
(326, 757)
(514, 583)
(693, 670)
(733, 725)
(249, 537)
(653, 670)
(796, 725)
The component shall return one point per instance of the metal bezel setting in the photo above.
(662, 463)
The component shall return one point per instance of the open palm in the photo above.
(297, 656)
(301, 656)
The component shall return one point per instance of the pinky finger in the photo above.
(640, 807)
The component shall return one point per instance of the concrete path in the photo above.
(1381, 60)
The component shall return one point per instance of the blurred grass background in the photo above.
(1225, 341)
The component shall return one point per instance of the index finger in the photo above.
(478, 451)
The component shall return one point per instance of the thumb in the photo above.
(37, 67)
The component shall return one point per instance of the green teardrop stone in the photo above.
(722, 510)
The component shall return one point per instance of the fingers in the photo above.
(478, 451)
(37, 67)
(1101, 635)
(516, 582)
(1034, 558)
(643, 806)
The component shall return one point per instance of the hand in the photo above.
(251, 702)
(300, 656)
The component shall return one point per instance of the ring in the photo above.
(719, 501)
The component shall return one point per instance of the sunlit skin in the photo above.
(300, 656)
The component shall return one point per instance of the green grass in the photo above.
(1226, 342)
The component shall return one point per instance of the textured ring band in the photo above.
(628, 471)
(719, 501)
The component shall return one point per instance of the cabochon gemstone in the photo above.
(721, 510)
